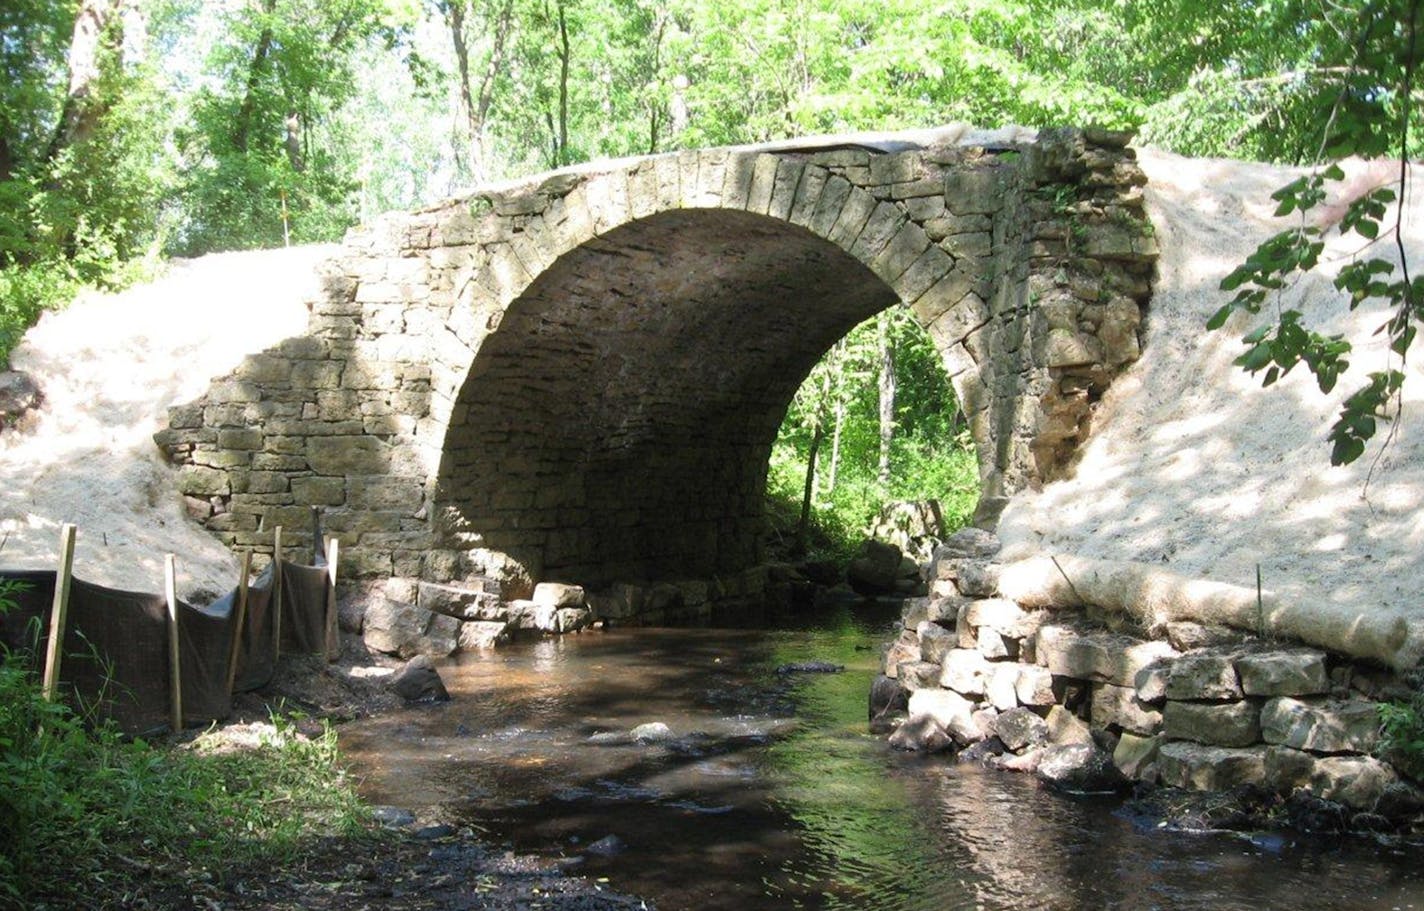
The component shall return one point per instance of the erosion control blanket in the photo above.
(115, 660)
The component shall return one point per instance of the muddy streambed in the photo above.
(766, 791)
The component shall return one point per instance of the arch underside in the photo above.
(618, 424)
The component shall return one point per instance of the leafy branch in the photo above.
(1362, 120)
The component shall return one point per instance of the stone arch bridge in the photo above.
(579, 377)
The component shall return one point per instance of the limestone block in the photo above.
(240, 438)
(906, 647)
(461, 603)
(1134, 754)
(992, 644)
(1000, 615)
(200, 481)
(1288, 768)
(1203, 677)
(949, 710)
(1019, 728)
(1119, 706)
(916, 612)
(944, 608)
(1232, 724)
(1065, 727)
(1100, 657)
(345, 455)
(1183, 764)
(1000, 689)
(558, 595)
(966, 671)
(1322, 726)
(1356, 781)
(917, 675)
(407, 630)
(1082, 768)
(1065, 348)
(935, 641)
(1034, 685)
(922, 734)
(1151, 682)
(973, 192)
(314, 491)
(1299, 672)
(483, 634)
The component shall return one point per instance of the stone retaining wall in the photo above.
(579, 377)
(1205, 708)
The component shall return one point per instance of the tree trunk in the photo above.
(98, 32)
(565, 55)
(242, 123)
(887, 396)
(803, 527)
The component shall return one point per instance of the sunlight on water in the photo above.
(771, 795)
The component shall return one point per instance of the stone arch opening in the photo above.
(619, 422)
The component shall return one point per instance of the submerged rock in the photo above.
(1080, 768)
(810, 667)
(418, 681)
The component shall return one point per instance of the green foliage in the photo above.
(1376, 53)
(931, 454)
(1402, 732)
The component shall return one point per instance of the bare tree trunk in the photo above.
(565, 55)
(242, 125)
(887, 396)
(803, 527)
(293, 142)
(474, 106)
(98, 31)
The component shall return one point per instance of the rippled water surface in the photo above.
(772, 795)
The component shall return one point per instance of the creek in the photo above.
(768, 792)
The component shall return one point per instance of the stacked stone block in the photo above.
(1205, 709)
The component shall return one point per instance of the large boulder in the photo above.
(1081, 768)
(1184, 764)
(1325, 726)
(875, 568)
(921, 734)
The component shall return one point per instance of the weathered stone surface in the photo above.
(1135, 753)
(557, 595)
(1322, 726)
(1019, 728)
(418, 681)
(1080, 768)
(935, 641)
(1232, 724)
(968, 543)
(950, 711)
(1000, 689)
(1203, 677)
(921, 734)
(1000, 615)
(1183, 764)
(888, 699)
(1119, 706)
(461, 603)
(874, 569)
(906, 647)
(19, 393)
(965, 671)
(1065, 727)
(1299, 672)
(408, 630)
(1034, 685)
(1100, 657)
(978, 580)
(992, 644)
(918, 675)
(1356, 781)
(1186, 635)
(1151, 682)
(483, 634)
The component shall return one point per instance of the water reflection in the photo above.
(769, 793)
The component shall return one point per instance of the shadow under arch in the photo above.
(619, 422)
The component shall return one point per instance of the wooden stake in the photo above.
(277, 592)
(175, 669)
(333, 635)
(239, 620)
(59, 613)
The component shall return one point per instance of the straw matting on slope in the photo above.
(1192, 468)
(109, 366)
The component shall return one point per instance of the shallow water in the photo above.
(771, 794)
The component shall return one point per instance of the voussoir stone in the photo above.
(1300, 672)
(1322, 726)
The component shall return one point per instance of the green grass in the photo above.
(81, 806)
